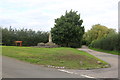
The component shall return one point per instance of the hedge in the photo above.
(111, 42)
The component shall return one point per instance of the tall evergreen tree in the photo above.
(68, 30)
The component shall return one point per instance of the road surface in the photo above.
(12, 68)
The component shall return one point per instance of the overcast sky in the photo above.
(40, 14)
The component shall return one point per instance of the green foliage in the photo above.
(110, 42)
(106, 51)
(97, 32)
(58, 57)
(68, 30)
(29, 37)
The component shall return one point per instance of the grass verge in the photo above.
(106, 51)
(63, 57)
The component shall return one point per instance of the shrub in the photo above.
(110, 42)
(41, 44)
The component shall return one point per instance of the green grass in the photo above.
(106, 51)
(63, 57)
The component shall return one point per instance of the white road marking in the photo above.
(66, 71)
(87, 76)
(75, 73)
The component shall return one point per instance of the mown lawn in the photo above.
(106, 51)
(63, 57)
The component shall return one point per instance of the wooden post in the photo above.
(20, 44)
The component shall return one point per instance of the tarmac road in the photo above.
(12, 68)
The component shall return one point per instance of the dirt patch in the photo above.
(77, 58)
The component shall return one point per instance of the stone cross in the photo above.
(50, 37)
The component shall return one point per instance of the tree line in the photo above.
(68, 31)
(101, 37)
(28, 36)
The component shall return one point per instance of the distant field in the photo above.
(63, 57)
(106, 51)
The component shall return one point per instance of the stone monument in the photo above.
(49, 44)
(50, 37)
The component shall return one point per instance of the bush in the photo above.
(110, 42)
(41, 44)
